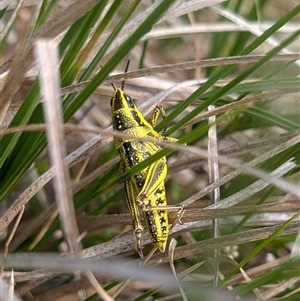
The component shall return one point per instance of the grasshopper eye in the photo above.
(129, 101)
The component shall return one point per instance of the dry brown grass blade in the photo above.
(227, 240)
(240, 103)
(99, 289)
(10, 4)
(253, 188)
(192, 249)
(38, 277)
(87, 149)
(266, 177)
(81, 171)
(184, 7)
(238, 170)
(12, 18)
(44, 225)
(64, 291)
(213, 173)
(99, 223)
(280, 288)
(197, 45)
(5, 292)
(265, 143)
(197, 220)
(107, 268)
(198, 27)
(64, 19)
(60, 22)
(125, 242)
(17, 71)
(246, 278)
(70, 289)
(48, 62)
(95, 251)
(11, 235)
(93, 175)
(171, 250)
(178, 9)
(259, 270)
(11, 286)
(119, 288)
(80, 154)
(181, 67)
(96, 223)
(238, 19)
(203, 63)
(293, 292)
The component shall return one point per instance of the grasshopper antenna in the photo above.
(113, 85)
(126, 69)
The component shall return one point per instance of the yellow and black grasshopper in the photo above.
(145, 191)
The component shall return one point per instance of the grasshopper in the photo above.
(145, 191)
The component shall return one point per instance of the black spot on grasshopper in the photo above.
(144, 190)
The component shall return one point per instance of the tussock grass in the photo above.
(227, 73)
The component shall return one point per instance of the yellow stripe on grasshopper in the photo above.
(145, 191)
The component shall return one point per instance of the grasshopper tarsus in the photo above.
(138, 247)
(179, 214)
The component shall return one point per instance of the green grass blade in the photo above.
(223, 71)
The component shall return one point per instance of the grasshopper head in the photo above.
(120, 100)
(124, 112)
